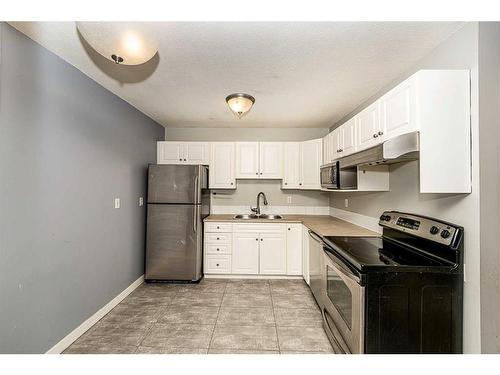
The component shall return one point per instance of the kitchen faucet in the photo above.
(257, 209)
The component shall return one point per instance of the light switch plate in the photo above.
(289, 199)
(117, 202)
(141, 201)
(346, 202)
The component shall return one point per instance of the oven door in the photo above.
(343, 305)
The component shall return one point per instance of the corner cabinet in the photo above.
(222, 173)
(302, 161)
(310, 163)
(182, 152)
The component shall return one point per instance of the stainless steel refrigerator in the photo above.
(178, 201)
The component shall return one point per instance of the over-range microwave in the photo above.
(336, 178)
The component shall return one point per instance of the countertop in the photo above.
(323, 225)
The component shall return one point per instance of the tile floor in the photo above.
(214, 316)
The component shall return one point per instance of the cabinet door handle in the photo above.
(218, 227)
(375, 135)
(184, 159)
(232, 183)
(257, 173)
(261, 239)
(260, 172)
(217, 264)
(286, 183)
(217, 238)
(380, 133)
(180, 159)
(288, 228)
(300, 183)
(217, 249)
(256, 239)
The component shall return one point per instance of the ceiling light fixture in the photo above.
(240, 104)
(127, 43)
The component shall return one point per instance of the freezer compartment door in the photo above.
(173, 242)
(175, 183)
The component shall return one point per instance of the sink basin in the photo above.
(270, 217)
(245, 216)
(253, 216)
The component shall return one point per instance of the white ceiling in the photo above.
(301, 74)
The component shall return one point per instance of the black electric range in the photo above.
(398, 293)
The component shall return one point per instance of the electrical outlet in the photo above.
(346, 202)
(141, 201)
(289, 199)
(117, 202)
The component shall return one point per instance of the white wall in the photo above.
(244, 134)
(458, 52)
(489, 115)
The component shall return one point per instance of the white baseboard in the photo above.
(86, 325)
(257, 277)
(367, 222)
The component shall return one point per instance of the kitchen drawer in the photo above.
(211, 227)
(218, 264)
(218, 249)
(218, 238)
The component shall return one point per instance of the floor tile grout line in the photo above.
(275, 322)
(217, 318)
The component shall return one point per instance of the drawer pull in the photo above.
(217, 249)
(217, 238)
(218, 227)
(217, 264)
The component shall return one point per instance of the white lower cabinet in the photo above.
(294, 249)
(245, 253)
(272, 254)
(253, 248)
(305, 254)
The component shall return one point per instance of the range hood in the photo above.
(399, 149)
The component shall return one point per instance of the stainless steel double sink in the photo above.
(254, 216)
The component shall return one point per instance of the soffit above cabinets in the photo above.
(301, 74)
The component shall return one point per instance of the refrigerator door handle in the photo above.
(196, 189)
(195, 218)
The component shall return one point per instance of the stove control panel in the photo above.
(420, 226)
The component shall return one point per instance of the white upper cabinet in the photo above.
(221, 173)
(182, 152)
(271, 160)
(398, 110)
(259, 160)
(247, 159)
(291, 176)
(310, 162)
(170, 152)
(349, 142)
(196, 152)
(368, 126)
(436, 103)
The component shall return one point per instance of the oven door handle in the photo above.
(315, 236)
(342, 266)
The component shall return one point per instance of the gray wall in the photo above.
(460, 51)
(67, 148)
(489, 135)
(247, 190)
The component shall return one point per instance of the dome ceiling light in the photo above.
(127, 43)
(240, 104)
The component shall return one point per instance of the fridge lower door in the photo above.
(173, 242)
